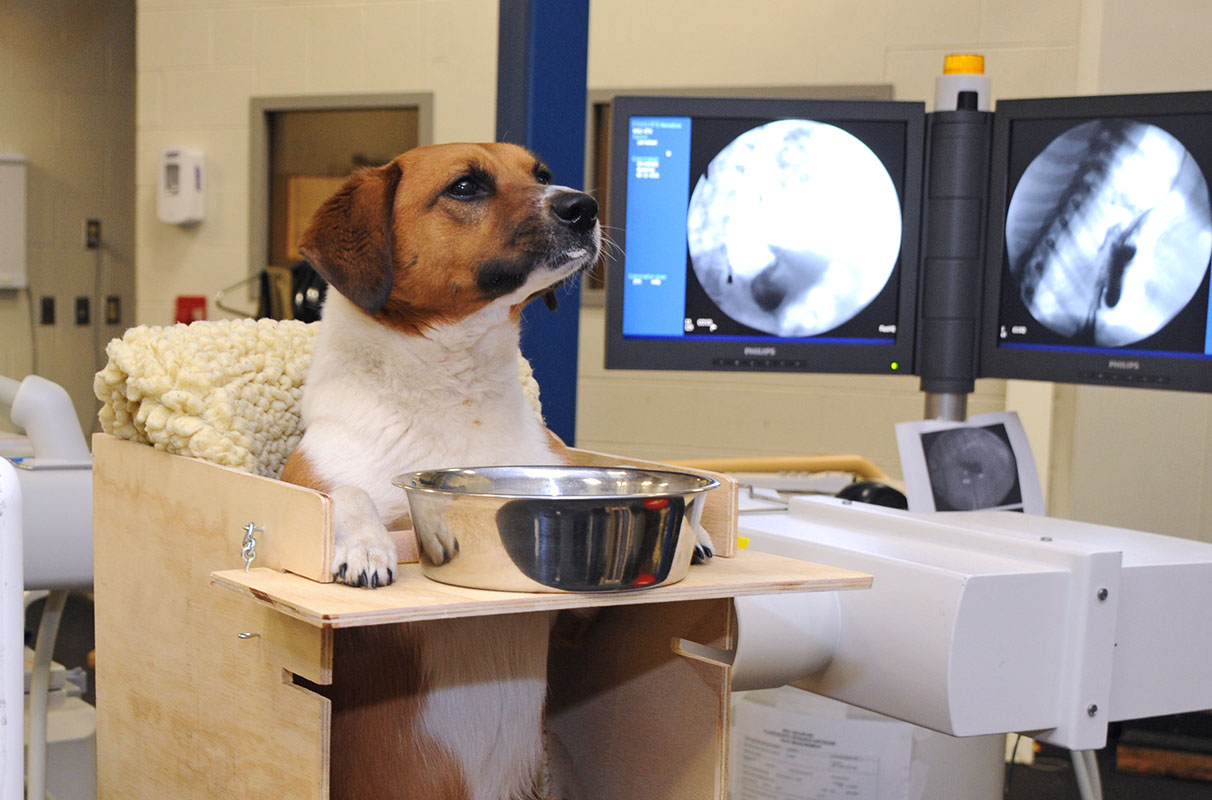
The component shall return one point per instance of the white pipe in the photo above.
(8, 391)
(45, 411)
(1085, 770)
(1096, 780)
(12, 636)
(39, 692)
(783, 638)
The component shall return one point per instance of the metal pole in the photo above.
(946, 407)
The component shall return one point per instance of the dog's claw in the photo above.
(702, 554)
(341, 572)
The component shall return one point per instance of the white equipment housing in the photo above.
(56, 484)
(997, 622)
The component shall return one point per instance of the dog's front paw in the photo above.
(437, 542)
(364, 553)
(367, 561)
(703, 550)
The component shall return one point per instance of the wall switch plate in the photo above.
(92, 233)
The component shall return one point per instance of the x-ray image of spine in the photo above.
(795, 227)
(1109, 232)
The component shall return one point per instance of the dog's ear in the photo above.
(349, 240)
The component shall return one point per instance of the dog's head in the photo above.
(443, 231)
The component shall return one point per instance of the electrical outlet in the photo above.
(82, 311)
(47, 316)
(92, 233)
(113, 309)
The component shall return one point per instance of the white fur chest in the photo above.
(378, 403)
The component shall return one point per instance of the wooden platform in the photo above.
(414, 598)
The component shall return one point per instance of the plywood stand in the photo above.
(211, 679)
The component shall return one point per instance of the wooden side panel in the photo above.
(185, 708)
(198, 496)
(719, 510)
(633, 718)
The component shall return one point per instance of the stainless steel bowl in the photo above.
(573, 529)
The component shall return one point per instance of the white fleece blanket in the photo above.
(225, 391)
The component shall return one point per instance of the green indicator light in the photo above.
(895, 366)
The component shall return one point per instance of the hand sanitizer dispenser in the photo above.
(180, 198)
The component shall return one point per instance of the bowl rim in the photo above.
(408, 482)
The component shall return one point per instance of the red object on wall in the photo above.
(191, 307)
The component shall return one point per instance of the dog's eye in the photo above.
(543, 177)
(464, 188)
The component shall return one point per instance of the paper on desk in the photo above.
(783, 755)
(983, 463)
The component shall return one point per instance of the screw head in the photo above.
(1091, 710)
(1102, 595)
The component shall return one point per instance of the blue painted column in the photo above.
(541, 104)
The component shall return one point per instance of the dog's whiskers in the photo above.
(610, 248)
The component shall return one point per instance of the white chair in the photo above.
(52, 529)
(12, 639)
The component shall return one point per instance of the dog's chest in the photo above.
(461, 431)
(462, 435)
(378, 403)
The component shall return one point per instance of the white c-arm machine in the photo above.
(987, 622)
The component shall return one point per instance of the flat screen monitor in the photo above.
(770, 235)
(1100, 240)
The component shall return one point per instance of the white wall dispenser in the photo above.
(180, 189)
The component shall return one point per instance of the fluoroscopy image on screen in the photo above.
(794, 228)
(1109, 232)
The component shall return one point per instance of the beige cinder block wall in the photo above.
(67, 105)
(1031, 49)
(200, 63)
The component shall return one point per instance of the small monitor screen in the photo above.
(764, 234)
(1101, 241)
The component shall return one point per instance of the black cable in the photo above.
(1018, 737)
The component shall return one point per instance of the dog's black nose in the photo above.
(576, 209)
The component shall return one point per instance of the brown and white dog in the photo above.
(430, 260)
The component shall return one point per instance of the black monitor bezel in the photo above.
(1074, 366)
(823, 357)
